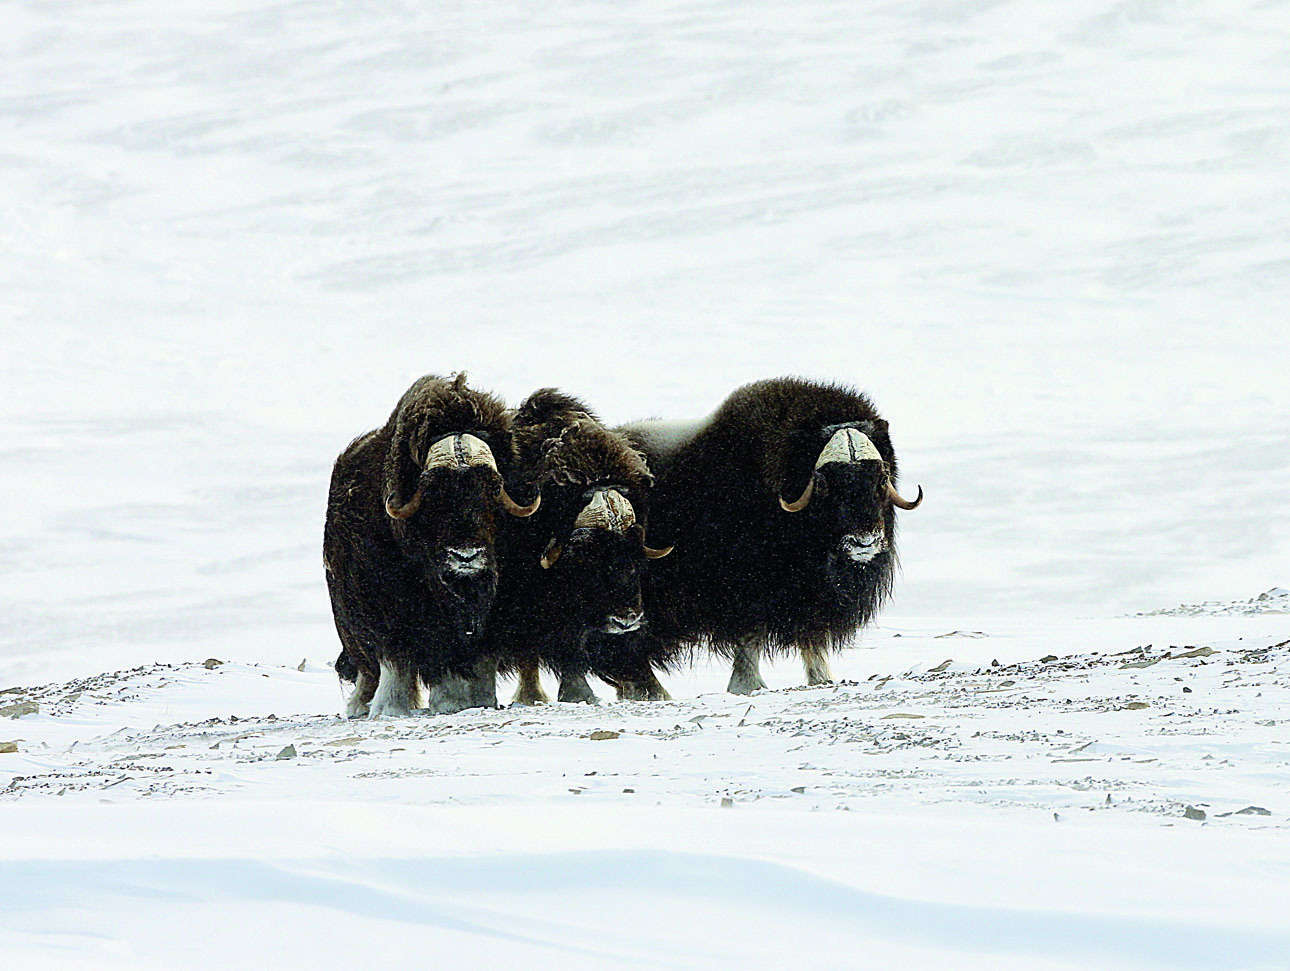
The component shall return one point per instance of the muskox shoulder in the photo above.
(793, 402)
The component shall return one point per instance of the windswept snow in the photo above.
(1121, 809)
(1050, 240)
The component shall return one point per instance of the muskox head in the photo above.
(849, 498)
(443, 510)
(598, 560)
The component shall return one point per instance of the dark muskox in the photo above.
(409, 549)
(576, 567)
(782, 502)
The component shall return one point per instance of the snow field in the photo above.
(1050, 240)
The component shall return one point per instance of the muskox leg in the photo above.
(530, 690)
(397, 693)
(642, 686)
(745, 676)
(815, 658)
(453, 692)
(574, 687)
(360, 699)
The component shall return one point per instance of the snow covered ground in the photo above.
(1053, 241)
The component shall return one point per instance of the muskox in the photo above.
(784, 497)
(408, 549)
(575, 568)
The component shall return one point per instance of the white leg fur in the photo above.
(745, 675)
(397, 694)
(816, 661)
(529, 691)
(360, 699)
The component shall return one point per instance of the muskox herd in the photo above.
(464, 539)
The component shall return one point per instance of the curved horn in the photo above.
(801, 502)
(896, 500)
(406, 510)
(658, 554)
(514, 508)
(551, 553)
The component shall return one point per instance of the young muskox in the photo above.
(408, 549)
(783, 499)
(576, 567)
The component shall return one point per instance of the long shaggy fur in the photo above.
(544, 615)
(743, 568)
(394, 597)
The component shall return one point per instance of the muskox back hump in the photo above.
(662, 438)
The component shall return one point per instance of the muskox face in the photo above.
(447, 528)
(847, 506)
(450, 541)
(596, 571)
(854, 522)
(601, 570)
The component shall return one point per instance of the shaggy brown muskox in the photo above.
(575, 567)
(409, 550)
(784, 497)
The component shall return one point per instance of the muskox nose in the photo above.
(625, 624)
(467, 561)
(862, 546)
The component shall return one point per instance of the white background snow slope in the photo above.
(1051, 240)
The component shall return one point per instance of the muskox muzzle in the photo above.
(623, 623)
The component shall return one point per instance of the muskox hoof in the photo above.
(745, 682)
(454, 693)
(529, 700)
(389, 709)
(355, 708)
(574, 690)
(646, 688)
